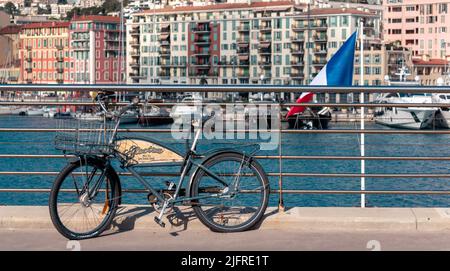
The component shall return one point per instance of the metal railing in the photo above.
(281, 191)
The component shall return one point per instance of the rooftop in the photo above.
(47, 24)
(431, 61)
(97, 18)
(223, 6)
(10, 29)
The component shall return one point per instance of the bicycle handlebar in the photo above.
(101, 97)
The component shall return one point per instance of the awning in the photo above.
(164, 36)
(244, 57)
(264, 45)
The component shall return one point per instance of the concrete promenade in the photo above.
(30, 228)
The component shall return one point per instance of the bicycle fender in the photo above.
(210, 155)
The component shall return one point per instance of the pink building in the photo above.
(423, 26)
(97, 50)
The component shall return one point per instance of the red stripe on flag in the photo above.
(305, 97)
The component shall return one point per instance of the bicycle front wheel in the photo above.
(84, 199)
(237, 202)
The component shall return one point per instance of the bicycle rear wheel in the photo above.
(237, 205)
(75, 213)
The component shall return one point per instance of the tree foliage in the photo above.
(107, 7)
(10, 8)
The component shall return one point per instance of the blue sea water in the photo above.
(292, 144)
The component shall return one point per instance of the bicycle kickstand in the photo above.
(158, 219)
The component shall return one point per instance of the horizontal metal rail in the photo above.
(270, 157)
(273, 191)
(274, 174)
(226, 88)
(329, 131)
(369, 105)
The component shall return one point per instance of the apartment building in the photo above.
(379, 60)
(239, 43)
(44, 53)
(429, 70)
(9, 54)
(423, 26)
(97, 50)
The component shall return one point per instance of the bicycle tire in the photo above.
(195, 190)
(114, 200)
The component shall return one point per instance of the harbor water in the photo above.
(292, 144)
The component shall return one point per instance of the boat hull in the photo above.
(408, 118)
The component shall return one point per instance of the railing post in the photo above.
(361, 101)
(281, 206)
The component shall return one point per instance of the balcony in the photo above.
(136, 75)
(298, 38)
(244, 63)
(265, 28)
(320, 38)
(29, 47)
(111, 47)
(135, 43)
(299, 26)
(135, 64)
(60, 70)
(297, 50)
(28, 59)
(244, 28)
(243, 74)
(164, 51)
(319, 62)
(201, 53)
(205, 41)
(319, 25)
(265, 63)
(79, 47)
(59, 81)
(265, 39)
(28, 69)
(203, 74)
(297, 63)
(320, 51)
(135, 31)
(243, 41)
(135, 53)
(201, 64)
(243, 51)
(29, 81)
(59, 47)
(265, 51)
(165, 43)
(201, 29)
(165, 28)
(297, 75)
(60, 58)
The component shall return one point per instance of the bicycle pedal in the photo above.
(160, 222)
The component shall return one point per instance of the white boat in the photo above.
(406, 117)
(12, 110)
(443, 114)
(189, 107)
(34, 112)
(49, 112)
(5, 110)
(88, 116)
(129, 117)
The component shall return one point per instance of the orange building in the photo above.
(44, 53)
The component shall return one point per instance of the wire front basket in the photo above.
(80, 137)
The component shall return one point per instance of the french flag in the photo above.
(337, 72)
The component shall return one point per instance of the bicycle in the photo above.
(228, 189)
